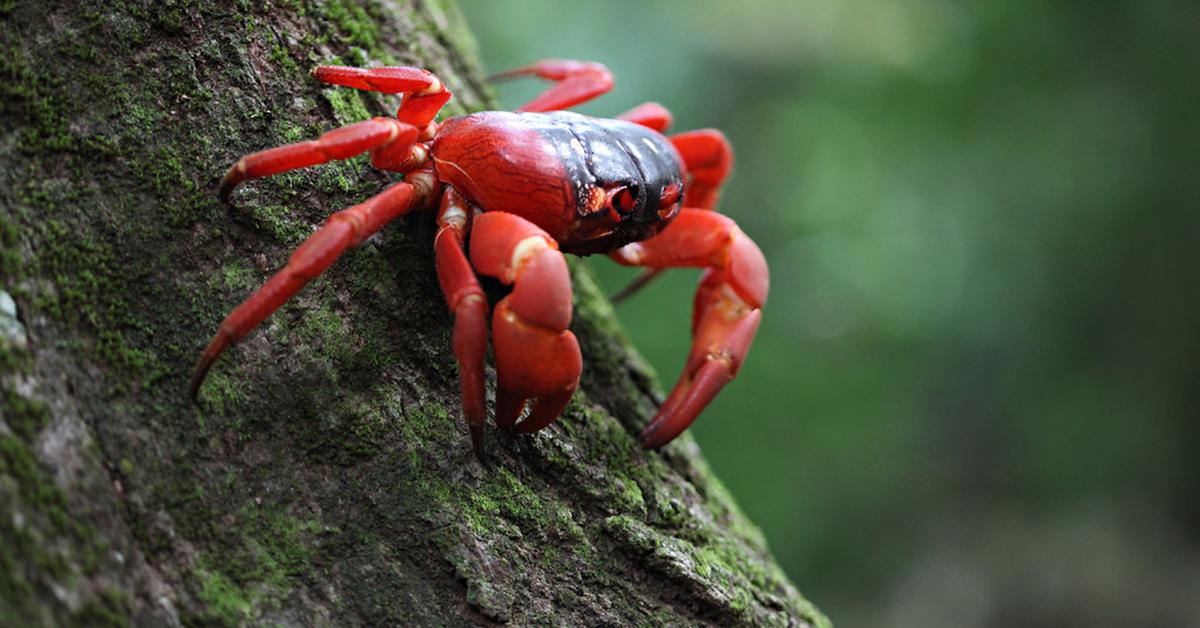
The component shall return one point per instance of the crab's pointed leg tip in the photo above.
(198, 375)
(226, 191)
(194, 388)
(646, 438)
(233, 177)
(477, 444)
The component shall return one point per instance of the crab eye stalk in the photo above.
(668, 201)
(670, 195)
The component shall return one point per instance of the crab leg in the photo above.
(536, 356)
(369, 135)
(343, 230)
(726, 313)
(650, 115)
(466, 299)
(425, 94)
(575, 82)
(708, 158)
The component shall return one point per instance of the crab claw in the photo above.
(725, 316)
(537, 357)
(722, 339)
(532, 362)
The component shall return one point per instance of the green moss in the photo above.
(44, 544)
(281, 221)
(170, 15)
(630, 498)
(86, 292)
(16, 591)
(424, 423)
(226, 601)
(223, 394)
(257, 563)
(289, 132)
(10, 258)
(327, 333)
(354, 426)
(348, 106)
(109, 608)
(35, 490)
(280, 54)
(14, 359)
(354, 24)
(515, 500)
(699, 569)
(237, 275)
(25, 417)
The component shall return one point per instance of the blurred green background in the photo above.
(973, 400)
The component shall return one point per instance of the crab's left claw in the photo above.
(726, 314)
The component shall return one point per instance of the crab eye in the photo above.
(624, 199)
(670, 194)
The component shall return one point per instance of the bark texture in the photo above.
(325, 476)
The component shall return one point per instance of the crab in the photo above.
(513, 191)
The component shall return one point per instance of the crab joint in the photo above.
(435, 87)
(423, 181)
(629, 254)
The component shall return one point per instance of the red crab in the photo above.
(526, 187)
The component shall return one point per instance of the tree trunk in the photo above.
(325, 476)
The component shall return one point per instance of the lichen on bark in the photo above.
(324, 477)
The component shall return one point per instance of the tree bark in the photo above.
(325, 476)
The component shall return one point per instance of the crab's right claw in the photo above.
(537, 357)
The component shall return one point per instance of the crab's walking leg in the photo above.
(343, 230)
(650, 115)
(708, 158)
(369, 135)
(726, 312)
(467, 301)
(575, 82)
(425, 93)
(536, 356)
